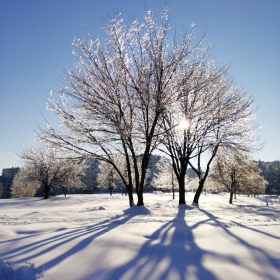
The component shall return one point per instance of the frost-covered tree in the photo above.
(256, 183)
(106, 178)
(237, 173)
(24, 184)
(51, 170)
(165, 177)
(234, 129)
(189, 119)
(115, 98)
(212, 114)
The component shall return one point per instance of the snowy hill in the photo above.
(99, 237)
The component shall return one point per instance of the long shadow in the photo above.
(270, 265)
(213, 218)
(169, 253)
(52, 244)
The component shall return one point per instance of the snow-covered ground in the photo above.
(98, 237)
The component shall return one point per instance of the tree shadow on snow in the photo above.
(169, 253)
(52, 244)
(268, 266)
(266, 211)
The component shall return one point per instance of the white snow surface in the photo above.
(99, 237)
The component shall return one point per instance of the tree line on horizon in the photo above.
(271, 173)
(50, 174)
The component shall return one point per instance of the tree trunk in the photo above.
(46, 192)
(130, 195)
(64, 190)
(181, 180)
(140, 188)
(129, 186)
(198, 191)
(199, 174)
(46, 195)
(140, 201)
(131, 201)
(231, 197)
(173, 190)
(182, 199)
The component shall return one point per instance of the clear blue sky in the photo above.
(35, 48)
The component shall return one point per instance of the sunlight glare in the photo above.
(184, 124)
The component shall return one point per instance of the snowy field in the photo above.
(98, 237)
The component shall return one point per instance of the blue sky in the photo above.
(35, 49)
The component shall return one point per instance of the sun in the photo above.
(184, 124)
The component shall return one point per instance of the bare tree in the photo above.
(189, 121)
(214, 113)
(234, 129)
(114, 99)
(51, 170)
(238, 174)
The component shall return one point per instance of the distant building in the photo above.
(90, 176)
(6, 180)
